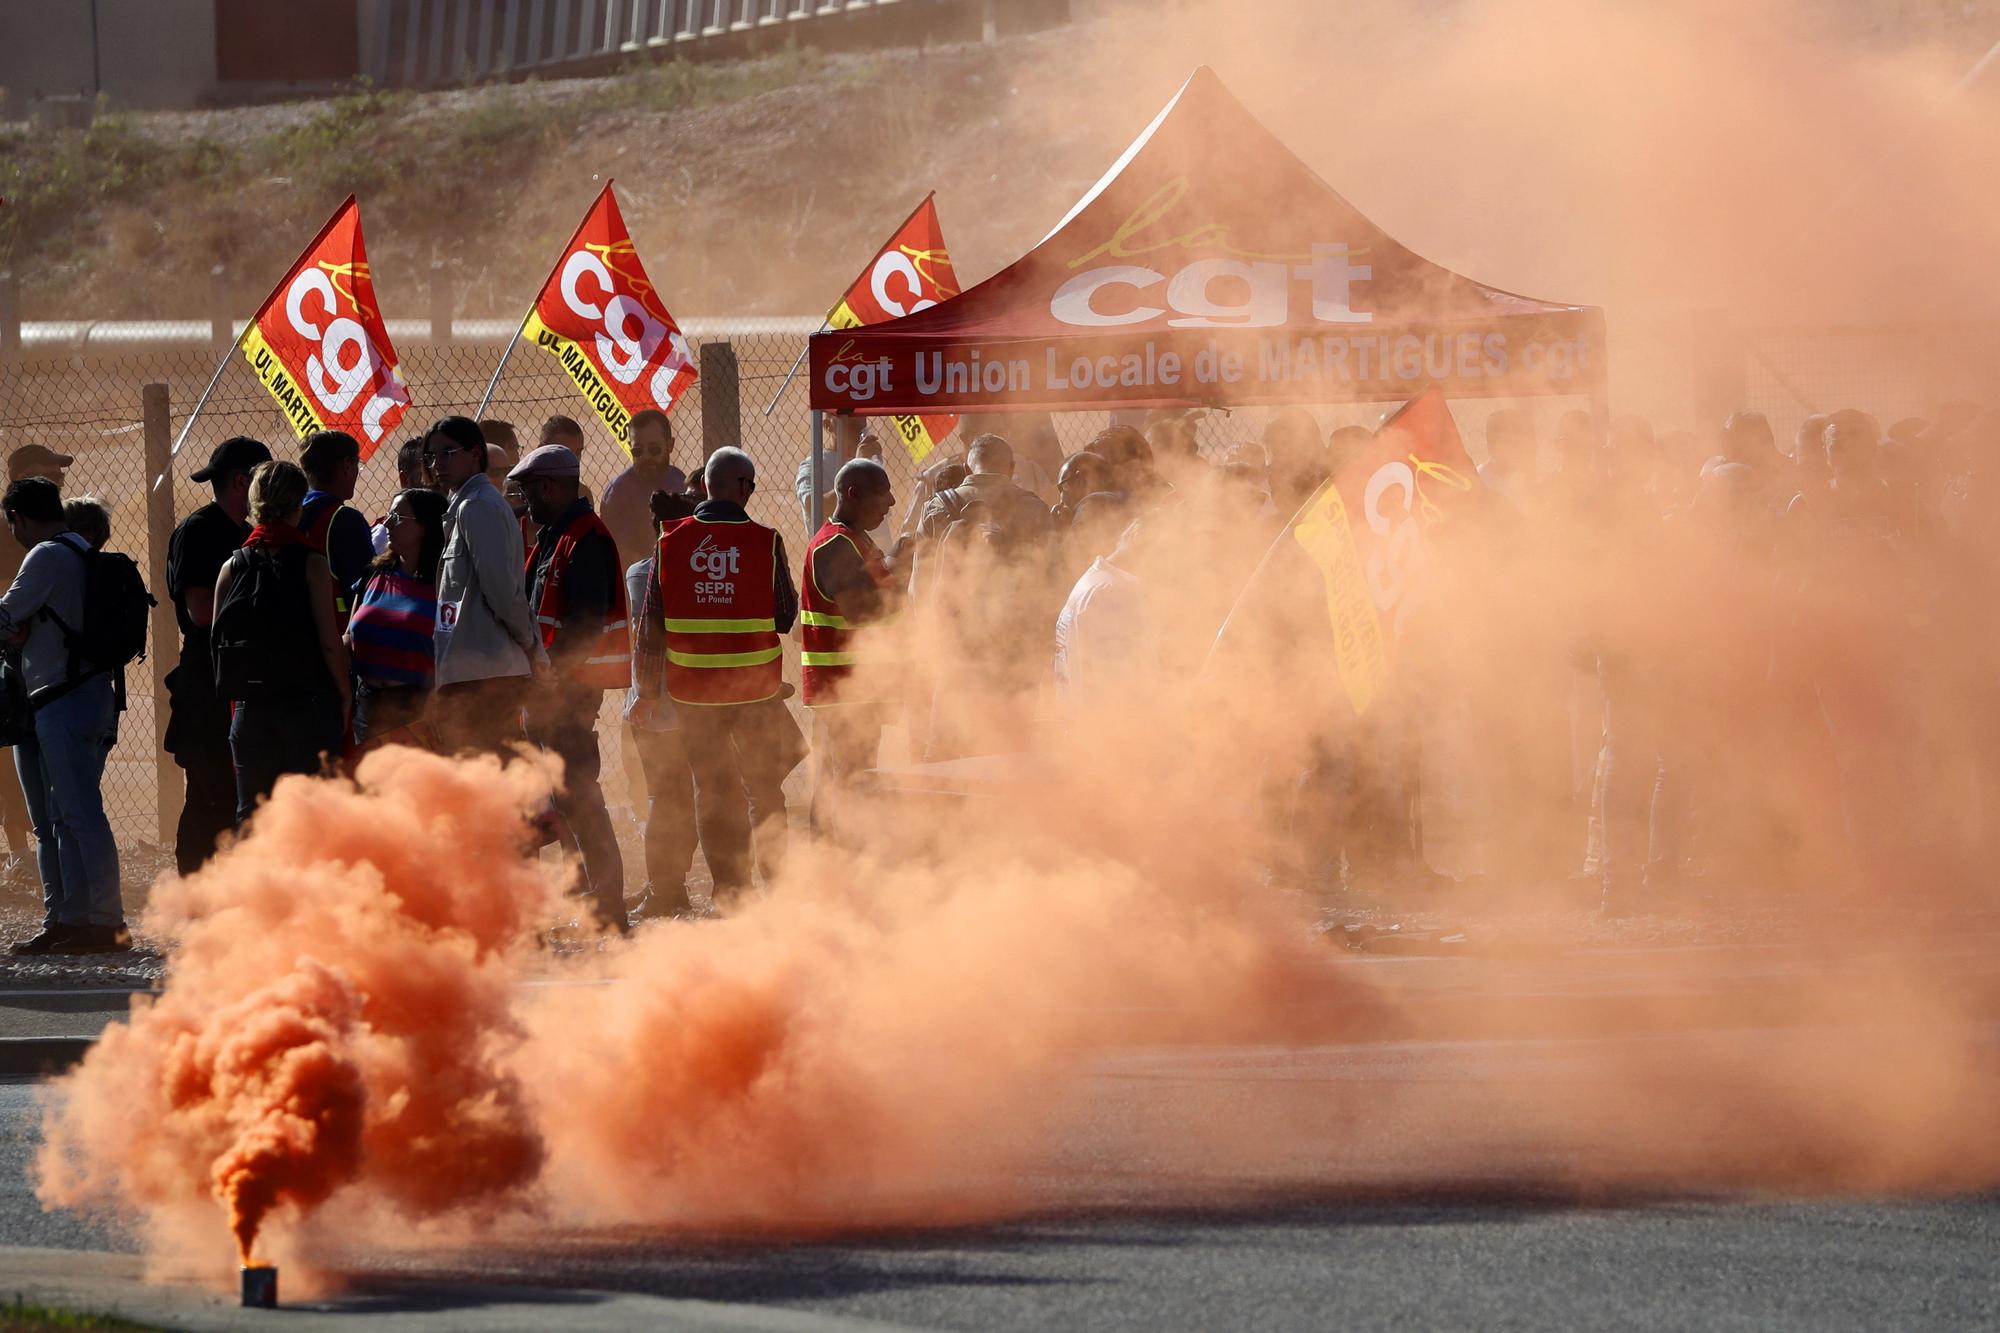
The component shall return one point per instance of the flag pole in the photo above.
(792, 374)
(1222, 630)
(494, 383)
(200, 403)
(827, 323)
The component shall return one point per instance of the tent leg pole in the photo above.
(818, 482)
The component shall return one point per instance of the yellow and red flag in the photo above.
(601, 317)
(319, 346)
(1365, 530)
(912, 272)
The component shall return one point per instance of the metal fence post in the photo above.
(10, 320)
(441, 299)
(721, 398)
(221, 329)
(165, 652)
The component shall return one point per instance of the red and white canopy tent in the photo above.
(1210, 266)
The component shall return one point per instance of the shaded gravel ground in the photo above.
(1469, 917)
(21, 916)
(143, 863)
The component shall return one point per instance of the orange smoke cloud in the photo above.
(337, 1015)
(892, 1030)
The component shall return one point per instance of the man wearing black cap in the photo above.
(198, 730)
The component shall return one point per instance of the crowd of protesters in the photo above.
(493, 605)
(1676, 654)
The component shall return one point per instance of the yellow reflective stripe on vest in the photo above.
(827, 659)
(758, 658)
(822, 620)
(765, 626)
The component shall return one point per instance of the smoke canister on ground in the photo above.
(260, 1287)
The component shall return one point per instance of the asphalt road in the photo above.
(1313, 1193)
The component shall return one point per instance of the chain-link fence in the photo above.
(88, 402)
(1893, 372)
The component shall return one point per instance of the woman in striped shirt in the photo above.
(390, 634)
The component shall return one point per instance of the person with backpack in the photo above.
(75, 723)
(276, 643)
(983, 574)
(989, 499)
(331, 460)
(198, 726)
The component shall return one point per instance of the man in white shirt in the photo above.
(1105, 635)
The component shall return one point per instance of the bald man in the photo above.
(849, 586)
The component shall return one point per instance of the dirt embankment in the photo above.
(751, 188)
(1548, 146)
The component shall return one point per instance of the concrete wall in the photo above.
(150, 53)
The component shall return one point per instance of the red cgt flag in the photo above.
(601, 317)
(319, 346)
(1366, 529)
(912, 272)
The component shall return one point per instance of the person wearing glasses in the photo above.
(392, 635)
(727, 591)
(487, 647)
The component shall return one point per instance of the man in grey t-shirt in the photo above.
(76, 723)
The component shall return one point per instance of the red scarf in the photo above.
(275, 535)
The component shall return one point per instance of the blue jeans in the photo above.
(62, 775)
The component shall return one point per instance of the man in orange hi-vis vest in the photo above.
(849, 585)
(576, 589)
(727, 591)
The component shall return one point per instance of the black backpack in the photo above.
(262, 639)
(116, 610)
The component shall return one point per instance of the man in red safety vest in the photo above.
(849, 585)
(576, 589)
(727, 591)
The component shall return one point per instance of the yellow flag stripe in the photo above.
(1328, 538)
(292, 397)
(583, 374)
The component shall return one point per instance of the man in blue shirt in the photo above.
(332, 463)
